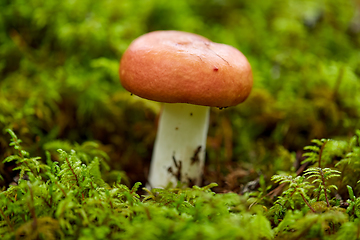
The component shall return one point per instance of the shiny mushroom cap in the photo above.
(181, 67)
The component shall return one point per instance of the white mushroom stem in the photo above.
(179, 151)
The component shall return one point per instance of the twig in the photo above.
(275, 191)
(306, 202)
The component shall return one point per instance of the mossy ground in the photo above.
(59, 89)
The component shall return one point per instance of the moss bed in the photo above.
(75, 147)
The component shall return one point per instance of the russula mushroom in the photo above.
(189, 74)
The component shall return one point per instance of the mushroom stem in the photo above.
(179, 151)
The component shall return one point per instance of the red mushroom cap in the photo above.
(180, 67)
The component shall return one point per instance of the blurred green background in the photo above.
(59, 85)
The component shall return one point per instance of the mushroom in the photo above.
(189, 74)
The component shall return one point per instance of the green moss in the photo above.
(59, 89)
(70, 200)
